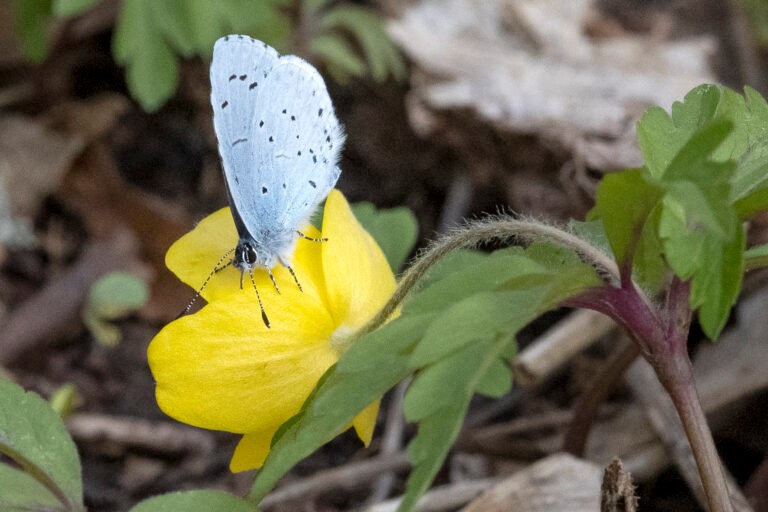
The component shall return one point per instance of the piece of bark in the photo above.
(529, 66)
(557, 483)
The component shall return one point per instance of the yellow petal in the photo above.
(365, 422)
(357, 276)
(222, 369)
(194, 256)
(251, 451)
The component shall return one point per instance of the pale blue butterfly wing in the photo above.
(279, 141)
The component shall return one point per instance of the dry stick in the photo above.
(45, 316)
(663, 416)
(345, 477)
(156, 436)
(446, 497)
(588, 404)
(559, 344)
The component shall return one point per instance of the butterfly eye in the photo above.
(249, 254)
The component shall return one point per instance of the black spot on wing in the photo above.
(319, 112)
(263, 190)
(312, 184)
(271, 139)
(253, 86)
(261, 123)
(243, 77)
(224, 105)
(232, 77)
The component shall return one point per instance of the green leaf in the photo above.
(661, 135)
(624, 201)
(71, 7)
(748, 145)
(33, 435)
(195, 501)
(478, 317)
(488, 273)
(367, 29)
(338, 54)
(439, 428)
(497, 380)
(111, 297)
(428, 451)
(32, 16)
(139, 45)
(717, 290)
(372, 365)
(394, 229)
(20, 492)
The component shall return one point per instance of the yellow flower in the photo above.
(223, 369)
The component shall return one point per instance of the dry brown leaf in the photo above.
(527, 66)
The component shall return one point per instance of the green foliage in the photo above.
(194, 501)
(110, 298)
(150, 35)
(345, 28)
(706, 172)
(34, 437)
(394, 229)
(455, 334)
(31, 21)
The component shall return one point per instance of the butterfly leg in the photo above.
(305, 237)
(218, 268)
(258, 297)
(290, 269)
(269, 273)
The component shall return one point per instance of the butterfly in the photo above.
(280, 144)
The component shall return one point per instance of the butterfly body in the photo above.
(279, 141)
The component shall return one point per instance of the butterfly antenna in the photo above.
(311, 239)
(269, 273)
(290, 269)
(217, 268)
(258, 297)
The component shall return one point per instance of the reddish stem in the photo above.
(662, 338)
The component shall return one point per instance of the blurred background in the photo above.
(452, 108)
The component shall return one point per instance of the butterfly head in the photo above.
(245, 256)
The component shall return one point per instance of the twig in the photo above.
(446, 497)
(345, 477)
(156, 436)
(586, 407)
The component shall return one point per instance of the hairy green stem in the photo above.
(502, 228)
